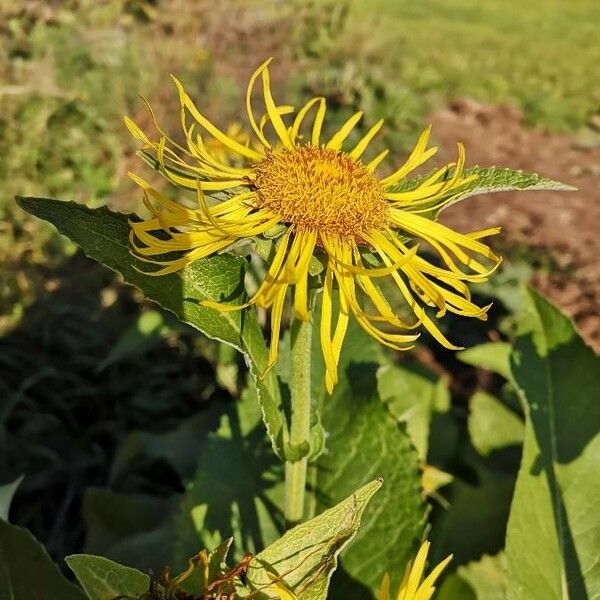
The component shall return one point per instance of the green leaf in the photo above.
(306, 556)
(421, 399)
(489, 180)
(237, 490)
(103, 236)
(492, 426)
(7, 491)
(494, 179)
(26, 571)
(103, 579)
(493, 356)
(481, 580)
(412, 398)
(365, 440)
(554, 530)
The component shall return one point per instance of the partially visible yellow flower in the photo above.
(331, 203)
(413, 586)
(222, 153)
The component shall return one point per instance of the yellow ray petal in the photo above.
(257, 130)
(372, 166)
(284, 109)
(360, 148)
(233, 145)
(417, 157)
(301, 116)
(318, 124)
(275, 117)
(335, 143)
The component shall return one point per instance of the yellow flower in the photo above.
(222, 153)
(412, 586)
(330, 203)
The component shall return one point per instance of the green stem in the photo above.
(295, 472)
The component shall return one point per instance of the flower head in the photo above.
(328, 202)
(413, 586)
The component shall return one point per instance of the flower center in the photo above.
(321, 189)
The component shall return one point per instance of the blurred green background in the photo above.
(92, 378)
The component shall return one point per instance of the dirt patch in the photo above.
(564, 225)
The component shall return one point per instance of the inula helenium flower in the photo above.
(329, 201)
(411, 587)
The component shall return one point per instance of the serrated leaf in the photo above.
(306, 556)
(26, 571)
(493, 356)
(492, 425)
(364, 440)
(495, 179)
(553, 531)
(103, 236)
(489, 180)
(103, 579)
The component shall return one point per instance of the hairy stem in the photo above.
(295, 472)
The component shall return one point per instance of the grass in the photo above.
(541, 55)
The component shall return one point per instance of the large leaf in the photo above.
(306, 556)
(26, 571)
(237, 490)
(364, 440)
(489, 180)
(554, 531)
(103, 235)
(103, 579)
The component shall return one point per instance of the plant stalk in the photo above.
(295, 472)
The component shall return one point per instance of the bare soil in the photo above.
(565, 225)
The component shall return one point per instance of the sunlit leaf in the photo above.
(484, 579)
(489, 180)
(493, 356)
(554, 531)
(306, 556)
(492, 425)
(103, 579)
